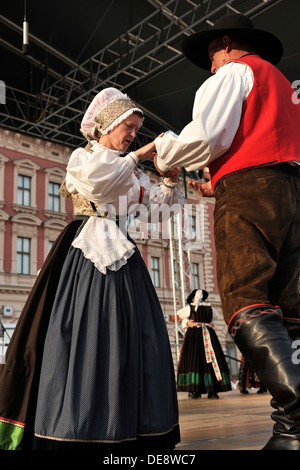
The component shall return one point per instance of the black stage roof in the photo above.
(76, 48)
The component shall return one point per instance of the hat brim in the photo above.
(195, 47)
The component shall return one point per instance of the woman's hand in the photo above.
(170, 175)
(146, 152)
(156, 166)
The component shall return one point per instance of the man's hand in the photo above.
(204, 189)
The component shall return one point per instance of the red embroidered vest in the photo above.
(269, 131)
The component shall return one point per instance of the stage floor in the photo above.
(232, 422)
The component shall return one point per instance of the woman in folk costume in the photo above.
(202, 366)
(107, 377)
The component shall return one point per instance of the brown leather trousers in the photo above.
(257, 238)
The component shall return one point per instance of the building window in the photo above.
(23, 255)
(155, 271)
(195, 276)
(53, 197)
(192, 227)
(131, 221)
(24, 190)
(153, 227)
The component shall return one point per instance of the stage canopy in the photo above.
(76, 48)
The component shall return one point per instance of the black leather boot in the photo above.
(243, 377)
(284, 431)
(286, 436)
(261, 337)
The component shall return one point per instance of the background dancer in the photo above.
(202, 367)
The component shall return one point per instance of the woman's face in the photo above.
(123, 134)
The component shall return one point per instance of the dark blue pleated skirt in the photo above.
(107, 374)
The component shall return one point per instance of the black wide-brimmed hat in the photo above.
(268, 46)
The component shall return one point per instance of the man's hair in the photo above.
(239, 43)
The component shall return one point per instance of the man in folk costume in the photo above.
(245, 128)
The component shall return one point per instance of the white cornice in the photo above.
(34, 147)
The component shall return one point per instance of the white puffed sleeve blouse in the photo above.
(104, 177)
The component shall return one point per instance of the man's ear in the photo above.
(227, 43)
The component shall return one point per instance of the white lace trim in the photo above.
(102, 242)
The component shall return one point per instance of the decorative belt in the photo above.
(209, 351)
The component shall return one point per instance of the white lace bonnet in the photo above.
(108, 109)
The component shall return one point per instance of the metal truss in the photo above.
(147, 49)
(182, 242)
